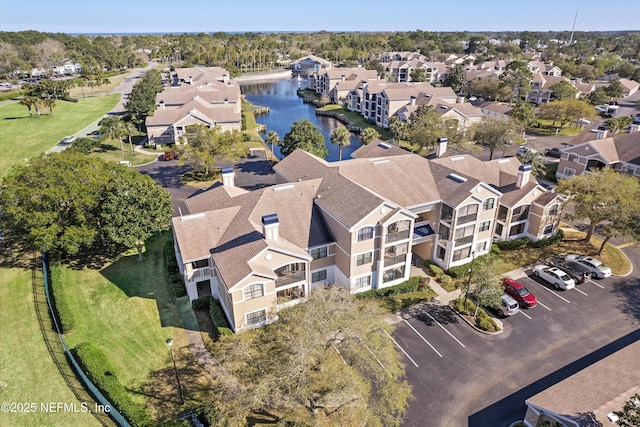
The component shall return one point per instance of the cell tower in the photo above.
(573, 28)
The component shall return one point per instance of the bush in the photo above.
(495, 250)
(483, 321)
(218, 318)
(101, 373)
(445, 280)
(59, 302)
(549, 241)
(203, 303)
(436, 271)
(414, 284)
(510, 245)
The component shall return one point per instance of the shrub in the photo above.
(510, 245)
(203, 303)
(414, 284)
(462, 308)
(436, 271)
(485, 322)
(549, 241)
(495, 250)
(101, 373)
(445, 280)
(218, 318)
(63, 313)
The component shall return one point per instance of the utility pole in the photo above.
(573, 28)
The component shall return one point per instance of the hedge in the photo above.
(414, 284)
(218, 318)
(555, 239)
(201, 303)
(436, 271)
(99, 370)
(510, 245)
(175, 278)
(64, 315)
(483, 321)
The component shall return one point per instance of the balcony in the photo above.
(198, 274)
(393, 260)
(398, 235)
(288, 296)
(421, 232)
(288, 279)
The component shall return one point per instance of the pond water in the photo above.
(286, 107)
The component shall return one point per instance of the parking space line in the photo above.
(544, 306)
(423, 338)
(583, 293)
(401, 349)
(443, 328)
(597, 284)
(554, 293)
(524, 314)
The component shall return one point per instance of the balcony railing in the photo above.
(392, 260)
(464, 240)
(199, 273)
(290, 278)
(399, 235)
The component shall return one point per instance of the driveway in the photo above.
(463, 377)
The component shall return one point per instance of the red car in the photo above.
(519, 292)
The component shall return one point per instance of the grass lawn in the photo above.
(357, 120)
(110, 150)
(398, 302)
(27, 371)
(24, 137)
(547, 128)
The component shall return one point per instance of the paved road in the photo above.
(462, 377)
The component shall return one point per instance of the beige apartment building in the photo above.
(358, 223)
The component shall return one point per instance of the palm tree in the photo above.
(49, 103)
(27, 101)
(341, 136)
(273, 139)
(128, 130)
(368, 135)
(113, 126)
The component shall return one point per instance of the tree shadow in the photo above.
(627, 292)
(429, 314)
(104, 148)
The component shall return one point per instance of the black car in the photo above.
(574, 269)
(553, 152)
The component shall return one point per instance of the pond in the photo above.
(286, 107)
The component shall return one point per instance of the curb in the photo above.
(474, 326)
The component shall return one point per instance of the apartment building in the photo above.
(357, 223)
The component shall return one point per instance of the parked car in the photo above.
(68, 139)
(508, 306)
(553, 152)
(578, 272)
(519, 292)
(595, 266)
(168, 155)
(524, 150)
(553, 275)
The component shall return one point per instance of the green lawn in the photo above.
(547, 128)
(24, 137)
(110, 150)
(27, 371)
(357, 120)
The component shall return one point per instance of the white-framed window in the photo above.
(320, 252)
(441, 252)
(484, 226)
(464, 235)
(573, 158)
(365, 233)
(444, 231)
(393, 274)
(548, 229)
(461, 253)
(364, 258)
(318, 276)
(256, 317)
(361, 282)
(554, 209)
(488, 204)
(569, 172)
(467, 213)
(253, 291)
(627, 168)
(481, 247)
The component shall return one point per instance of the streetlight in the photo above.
(170, 344)
(466, 293)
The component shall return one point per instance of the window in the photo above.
(399, 230)
(488, 204)
(520, 213)
(553, 210)
(441, 252)
(502, 212)
(573, 158)
(201, 263)
(467, 214)
(253, 291)
(461, 253)
(319, 276)
(256, 317)
(498, 230)
(464, 235)
(444, 232)
(569, 172)
(393, 274)
(447, 213)
(517, 229)
(627, 168)
(365, 233)
(548, 229)
(361, 282)
(320, 252)
(363, 258)
(481, 247)
(484, 226)
(395, 254)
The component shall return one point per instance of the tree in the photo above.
(342, 137)
(617, 124)
(329, 356)
(563, 90)
(28, 101)
(489, 88)
(565, 111)
(425, 127)
(368, 135)
(524, 113)
(598, 96)
(418, 75)
(592, 199)
(306, 136)
(486, 289)
(59, 202)
(496, 134)
(456, 78)
(49, 103)
(614, 89)
(273, 139)
(517, 78)
(536, 160)
(112, 125)
(630, 414)
(399, 129)
(203, 146)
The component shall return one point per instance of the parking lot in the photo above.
(458, 372)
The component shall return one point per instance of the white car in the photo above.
(596, 267)
(524, 150)
(68, 139)
(558, 278)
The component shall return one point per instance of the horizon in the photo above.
(245, 16)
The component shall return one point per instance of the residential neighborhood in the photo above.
(319, 227)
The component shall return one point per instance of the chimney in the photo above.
(227, 177)
(601, 134)
(524, 172)
(412, 100)
(441, 147)
(162, 104)
(460, 99)
(634, 128)
(270, 227)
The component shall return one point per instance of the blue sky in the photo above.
(176, 16)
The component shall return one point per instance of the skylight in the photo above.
(456, 178)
